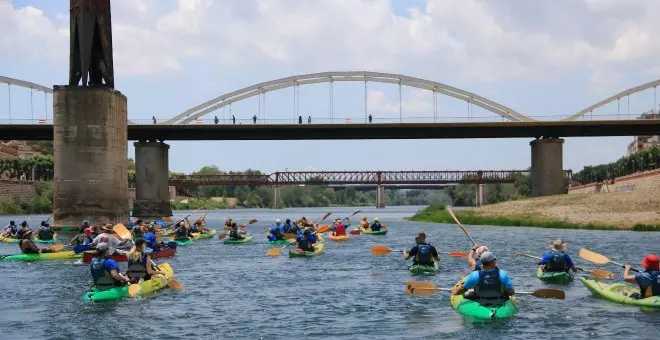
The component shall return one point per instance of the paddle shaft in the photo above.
(467, 233)
(623, 266)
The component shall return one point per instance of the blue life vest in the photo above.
(490, 287)
(286, 228)
(234, 234)
(424, 256)
(305, 243)
(655, 283)
(557, 263)
(46, 234)
(276, 231)
(102, 279)
(376, 226)
(137, 269)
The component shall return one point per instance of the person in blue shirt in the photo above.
(276, 231)
(286, 228)
(376, 226)
(11, 229)
(556, 260)
(150, 237)
(423, 253)
(306, 240)
(105, 271)
(295, 229)
(648, 280)
(489, 286)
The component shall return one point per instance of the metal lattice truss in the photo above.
(354, 178)
(330, 77)
(618, 96)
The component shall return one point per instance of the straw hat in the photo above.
(558, 244)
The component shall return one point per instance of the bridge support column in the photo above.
(277, 201)
(547, 173)
(481, 194)
(380, 196)
(91, 156)
(152, 192)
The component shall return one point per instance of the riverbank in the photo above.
(632, 210)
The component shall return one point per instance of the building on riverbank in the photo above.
(641, 143)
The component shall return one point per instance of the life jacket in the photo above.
(305, 243)
(376, 226)
(234, 234)
(46, 234)
(101, 277)
(655, 283)
(276, 231)
(424, 256)
(490, 287)
(137, 231)
(286, 228)
(137, 269)
(557, 263)
(181, 232)
(340, 229)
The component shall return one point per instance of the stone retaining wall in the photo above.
(646, 181)
(19, 191)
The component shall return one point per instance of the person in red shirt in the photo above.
(339, 228)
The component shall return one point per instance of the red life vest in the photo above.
(340, 230)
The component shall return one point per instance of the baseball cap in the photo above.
(487, 257)
(651, 262)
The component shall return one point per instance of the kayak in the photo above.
(553, 277)
(473, 309)
(167, 252)
(381, 232)
(202, 236)
(247, 239)
(51, 241)
(60, 255)
(184, 242)
(619, 293)
(339, 237)
(8, 239)
(279, 242)
(156, 283)
(318, 246)
(421, 269)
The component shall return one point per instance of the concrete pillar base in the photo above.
(547, 173)
(91, 156)
(152, 191)
(277, 201)
(481, 191)
(380, 196)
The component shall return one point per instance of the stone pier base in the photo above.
(547, 173)
(152, 192)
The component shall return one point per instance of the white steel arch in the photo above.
(26, 84)
(617, 96)
(324, 77)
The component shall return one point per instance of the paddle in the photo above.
(325, 216)
(425, 288)
(278, 250)
(121, 230)
(355, 232)
(252, 221)
(57, 247)
(380, 250)
(599, 259)
(457, 254)
(596, 273)
(323, 228)
(172, 283)
(461, 226)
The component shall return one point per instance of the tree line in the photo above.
(640, 161)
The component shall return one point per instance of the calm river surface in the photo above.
(239, 292)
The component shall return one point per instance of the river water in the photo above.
(240, 292)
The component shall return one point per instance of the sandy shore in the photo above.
(623, 209)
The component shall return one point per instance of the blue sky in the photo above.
(541, 59)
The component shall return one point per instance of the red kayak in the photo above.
(167, 252)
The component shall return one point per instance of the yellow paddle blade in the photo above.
(420, 284)
(380, 250)
(168, 219)
(121, 230)
(172, 283)
(527, 255)
(457, 254)
(601, 274)
(274, 251)
(593, 257)
(323, 228)
(222, 235)
(133, 289)
(253, 221)
(194, 234)
(422, 291)
(57, 247)
(289, 236)
(547, 293)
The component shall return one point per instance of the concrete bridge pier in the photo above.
(152, 193)
(380, 196)
(481, 194)
(547, 173)
(277, 201)
(91, 156)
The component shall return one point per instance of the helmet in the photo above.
(376, 219)
(288, 220)
(278, 221)
(12, 222)
(86, 222)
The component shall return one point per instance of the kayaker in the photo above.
(138, 229)
(139, 263)
(228, 222)
(111, 241)
(338, 228)
(489, 286)
(287, 226)
(295, 229)
(105, 271)
(83, 226)
(556, 260)
(181, 232)
(27, 246)
(423, 252)
(474, 257)
(234, 234)
(200, 224)
(306, 240)
(24, 227)
(364, 223)
(10, 230)
(45, 232)
(648, 280)
(276, 231)
(376, 226)
(150, 237)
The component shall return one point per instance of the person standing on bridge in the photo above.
(299, 119)
(370, 118)
(309, 119)
(254, 119)
(233, 119)
(216, 120)
(154, 119)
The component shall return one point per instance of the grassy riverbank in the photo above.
(607, 211)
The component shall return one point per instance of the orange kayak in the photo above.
(339, 237)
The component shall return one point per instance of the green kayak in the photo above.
(184, 241)
(554, 277)
(420, 269)
(475, 310)
(247, 239)
(364, 231)
(279, 242)
(51, 241)
(156, 283)
(60, 255)
(619, 293)
(319, 246)
(202, 236)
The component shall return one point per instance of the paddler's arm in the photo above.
(626, 275)
(150, 269)
(470, 282)
(471, 262)
(117, 276)
(406, 254)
